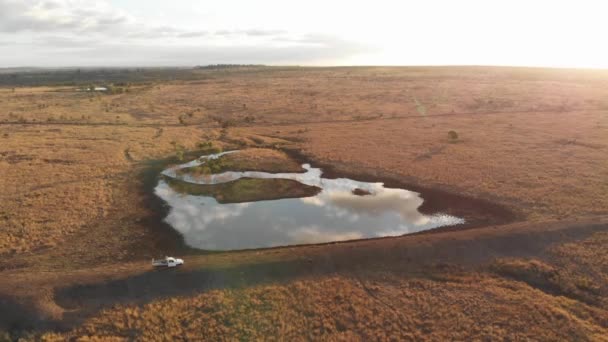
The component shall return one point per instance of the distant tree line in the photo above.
(86, 76)
(228, 66)
(24, 77)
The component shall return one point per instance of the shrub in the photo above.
(179, 150)
(207, 147)
(420, 108)
(452, 136)
(179, 154)
(112, 89)
(227, 123)
(215, 165)
(210, 166)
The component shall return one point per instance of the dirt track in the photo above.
(83, 293)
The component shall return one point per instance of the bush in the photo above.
(215, 165)
(210, 166)
(179, 150)
(452, 136)
(227, 123)
(111, 89)
(420, 108)
(207, 147)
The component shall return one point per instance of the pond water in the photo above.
(344, 209)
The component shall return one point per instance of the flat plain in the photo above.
(527, 167)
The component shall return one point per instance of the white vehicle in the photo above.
(167, 262)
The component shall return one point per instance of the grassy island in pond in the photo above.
(246, 189)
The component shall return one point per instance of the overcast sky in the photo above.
(313, 32)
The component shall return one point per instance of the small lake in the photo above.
(343, 209)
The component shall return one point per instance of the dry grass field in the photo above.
(528, 168)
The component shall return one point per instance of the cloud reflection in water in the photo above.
(335, 214)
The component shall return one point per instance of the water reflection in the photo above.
(335, 214)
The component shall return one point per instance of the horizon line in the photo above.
(168, 66)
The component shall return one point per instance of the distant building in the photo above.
(94, 89)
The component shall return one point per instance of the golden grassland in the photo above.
(548, 165)
(408, 291)
(75, 203)
(356, 310)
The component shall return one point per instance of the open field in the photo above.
(79, 222)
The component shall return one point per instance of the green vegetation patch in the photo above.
(246, 189)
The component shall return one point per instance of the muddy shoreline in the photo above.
(477, 212)
(165, 239)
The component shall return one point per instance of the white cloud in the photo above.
(518, 32)
(90, 33)
(60, 16)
